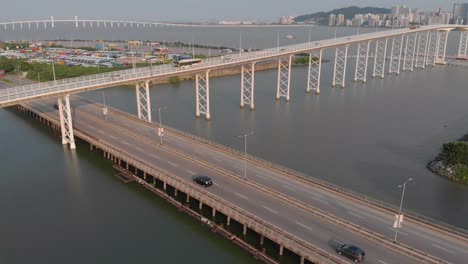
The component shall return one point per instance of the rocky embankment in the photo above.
(442, 166)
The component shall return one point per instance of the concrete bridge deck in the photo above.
(315, 213)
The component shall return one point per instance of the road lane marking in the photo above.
(216, 158)
(240, 195)
(125, 142)
(290, 188)
(320, 200)
(215, 183)
(271, 210)
(139, 149)
(155, 156)
(437, 246)
(261, 176)
(180, 144)
(113, 137)
(239, 167)
(191, 172)
(399, 232)
(356, 215)
(100, 131)
(304, 226)
(383, 262)
(197, 151)
(173, 164)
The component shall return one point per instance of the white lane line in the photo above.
(216, 158)
(320, 200)
(356, 215)
(199, 152)
(100, 131)
(261, 176)
(437, 246)
(383, 262)
(191, 172)
(240, 195)
(239, 167)
(125, 142)
(338, 241)
(304, 226)
(289, 188)
(180, 144)
(113, 137)
(271, 210)
(173, 164)
(399, 232)
(215, 183)
(155, 156)
(139, 149)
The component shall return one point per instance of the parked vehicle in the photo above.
(205, 181)
(352, 252)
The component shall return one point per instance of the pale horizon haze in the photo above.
(192, 10)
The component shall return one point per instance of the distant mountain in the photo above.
(348, 12)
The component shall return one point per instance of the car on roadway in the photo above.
(353, 252)
(56, 106)
(204, 181)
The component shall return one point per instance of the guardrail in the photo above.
(74, 85)
(223, 205)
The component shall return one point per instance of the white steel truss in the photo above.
(362, 59)
(248, 85)
(463, 46)
(202, 84)
(314, 71)
(380, 57)
(410, 50)
(421, 56)
(441, 49)
(432, 48)
(395, 54)
(339, 70)
(66, 123)
(284, 78)
(143, 101)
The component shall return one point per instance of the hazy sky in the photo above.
(190, 10)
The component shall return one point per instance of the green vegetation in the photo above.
(455, 154)
(43, 71)
(348, 12)
(87, 48)
(13, 65)
(304, 60)
(175, 80)
(200, 56)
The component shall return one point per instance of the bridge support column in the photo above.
(262, 240)
(281, 249)
(164, 186)
(187, 201)
(463, 46)
(339, 70)
(244, 230)
(213, 213)
(395, 54)
(228, 222)
(200, 205)
(362, 59)
(143, 101)
(432, 48)
(247, 85)
(66, 123)
(380, 57)
(441, 49)
(175, 192)
(202, 86)
(423, 42)
(302, 259)
(410, 50)
(284, 78)
(314, 71)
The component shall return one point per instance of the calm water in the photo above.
(368, 138)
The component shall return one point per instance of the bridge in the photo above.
(297, 212)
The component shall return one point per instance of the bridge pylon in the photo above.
(362, 59)
(422, 49)
(339, 69)
(66, 123)
(441, 46)
(380, 57)
(247, 85)
(395, 54)
(410, 50)
(314, 71)
(284, 78)
(432, 48)
(202, 93)
(143, 101)
(463, 46)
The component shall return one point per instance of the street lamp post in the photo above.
(160, 129)
(245, 151)
(399, 216)
(53, 71)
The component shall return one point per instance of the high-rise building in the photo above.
(340, 20)
(332, 20)
(460, 13)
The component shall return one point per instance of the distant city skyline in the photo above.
(190, 10)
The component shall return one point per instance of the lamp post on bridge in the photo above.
(104, 108)
(399, 217)
(160, 128)
(245, 151)
(53, 71)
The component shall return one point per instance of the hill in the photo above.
(348, 12)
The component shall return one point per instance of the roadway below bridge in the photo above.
(291, 203)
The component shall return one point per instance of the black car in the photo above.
(56, 106)
(352, 252)
(203, 180)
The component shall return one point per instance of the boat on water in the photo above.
(290, 37)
